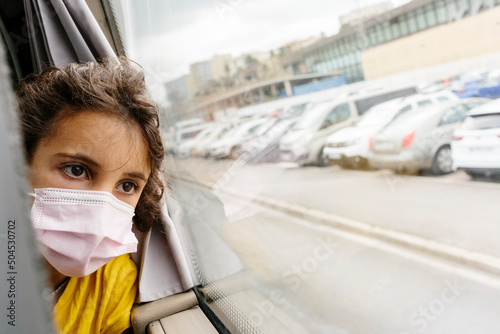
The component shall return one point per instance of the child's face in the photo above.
(93, 151)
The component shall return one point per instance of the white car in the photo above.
(186, 147)
(350, 146)
(229, 144)
(304, 143)
(200, 148)
(476, 144)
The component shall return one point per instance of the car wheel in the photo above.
(475, 175)
(320, 160)
(360, 163)
(442, 163)
(344, 163)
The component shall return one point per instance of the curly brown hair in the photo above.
(112, 86)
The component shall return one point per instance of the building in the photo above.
(181, 89)
(207, 74)
(356, 17)
(350, 51)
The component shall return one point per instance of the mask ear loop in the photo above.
(34, 195)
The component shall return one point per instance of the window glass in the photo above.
(472, 105)
(412, 22)
(441, 12)
(421, 19)
(403, 23)
(387, 32)
(396, 33)
(430, 14)
(282, 208)
(454, 115)
(380, 33)
(338, 114)
(482, 122)
(403, 110)
(424, 103)
(452, 9)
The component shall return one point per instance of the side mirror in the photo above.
(327, 123)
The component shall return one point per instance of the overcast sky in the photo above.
(165, 36)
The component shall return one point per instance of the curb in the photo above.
(481, 261)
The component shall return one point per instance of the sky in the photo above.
(165, 36)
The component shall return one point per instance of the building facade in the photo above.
(344, 51)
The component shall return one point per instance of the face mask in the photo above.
(79, 230)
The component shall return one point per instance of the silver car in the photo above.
(420, 140)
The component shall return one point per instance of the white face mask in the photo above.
(80, 230)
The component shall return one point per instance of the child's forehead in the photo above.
(104, 137)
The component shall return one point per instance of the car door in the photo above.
(448, 122)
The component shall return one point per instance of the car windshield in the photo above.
(262, 129)
(298, 109)
(311, 119)
(482, 122)
(300, 234)
(377, 116)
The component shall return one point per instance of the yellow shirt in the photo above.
(100, 302)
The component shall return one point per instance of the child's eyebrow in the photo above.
(137, 175)
(79, 156)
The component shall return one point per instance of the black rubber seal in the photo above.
(214, 320)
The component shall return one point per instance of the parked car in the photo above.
(304, 143)
(476, 144)
(265, 148)
(200, 148)
(186, 147)
(185, 134)
(421, 139)
(229, 145)
(350, 146)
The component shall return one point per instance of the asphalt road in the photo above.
(329, 281)
(451, 209)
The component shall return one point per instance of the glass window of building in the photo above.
(380, 33)
(387, 31)
(372, 35)
(347, 43)
(396, 33)
(430, 14)
(331, 53)
(452, 8)
(412, 22)
(340, 47)
(464, 7)
(403, 25)
(421, 19)
(441, 14)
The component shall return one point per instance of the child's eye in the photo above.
(127, 187)
(76, 171)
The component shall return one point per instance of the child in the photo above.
(94, 150)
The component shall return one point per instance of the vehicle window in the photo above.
(311, 118)
(472, 105)
(403, 110)
(378, 115)
(455, 114)
(482, 122)
(338, 114)
(363, 105)
(188, 135)
(424, 103)
(368, 229)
